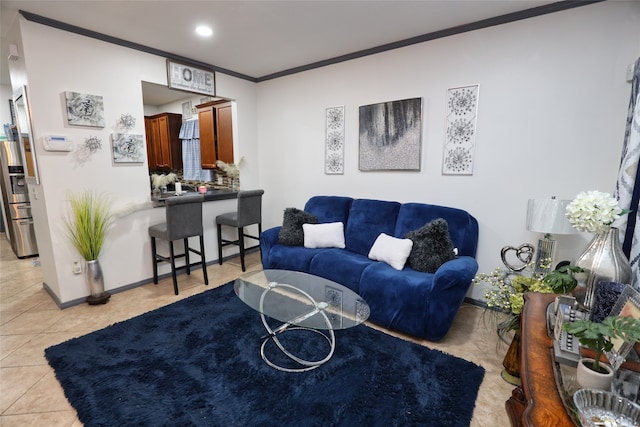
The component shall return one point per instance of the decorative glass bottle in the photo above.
(511, 361)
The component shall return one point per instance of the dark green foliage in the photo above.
(562, 280)
(597, 336)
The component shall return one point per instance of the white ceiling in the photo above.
(259, 38)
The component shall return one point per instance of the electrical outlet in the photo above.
(77, 268)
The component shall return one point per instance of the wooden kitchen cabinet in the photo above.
(164, 148)
(151, 152)
(216, 133)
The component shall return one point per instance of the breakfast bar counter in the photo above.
(211, 195)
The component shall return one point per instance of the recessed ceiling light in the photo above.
(204, 31)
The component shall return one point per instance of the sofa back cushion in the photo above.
(329, 208)
(463, 228)
(367, 219)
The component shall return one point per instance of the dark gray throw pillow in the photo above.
(432, 246)
(291, 233)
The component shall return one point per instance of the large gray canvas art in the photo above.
(390, 135)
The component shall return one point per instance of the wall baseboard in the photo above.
(123, 288)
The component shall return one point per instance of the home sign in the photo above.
(191, 79)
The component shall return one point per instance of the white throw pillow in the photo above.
(327, 235)
(391, 250)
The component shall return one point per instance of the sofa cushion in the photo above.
(432, 246)
(367, 219)
(297, 258)
(391, 250)
(341, 266)
(329, 208)
(291, 232)
(463, 228)
(327, 235)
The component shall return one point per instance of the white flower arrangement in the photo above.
(232, 170)
(163, 180)
(593, 211)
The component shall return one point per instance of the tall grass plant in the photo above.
(88, 223)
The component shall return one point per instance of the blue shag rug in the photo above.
(197, 362)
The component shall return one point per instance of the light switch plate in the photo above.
(630, 70)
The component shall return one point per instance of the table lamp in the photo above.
(547, 216)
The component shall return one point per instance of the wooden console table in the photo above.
(537, 402)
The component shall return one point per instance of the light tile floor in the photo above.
(30, 321)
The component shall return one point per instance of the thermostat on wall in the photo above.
(57, 143)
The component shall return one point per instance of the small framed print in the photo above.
(627, 305)
(127, 148)
(84, 109)
(187, 111)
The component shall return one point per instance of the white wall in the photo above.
(114, 72)
(5, 95)
(553, 100)
(552, 110)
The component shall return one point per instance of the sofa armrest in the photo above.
(450, 285)
(268, 239)
(459, 271)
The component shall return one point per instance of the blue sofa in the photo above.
(416, 303)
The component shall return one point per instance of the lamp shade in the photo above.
(548, 216)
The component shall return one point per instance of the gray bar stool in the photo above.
(183, 220)
(249, 212)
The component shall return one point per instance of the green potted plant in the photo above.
(600, 337)
(562, 280)
(505, 300)
(87, 226)
(505, 291)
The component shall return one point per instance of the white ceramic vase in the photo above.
(588, 378)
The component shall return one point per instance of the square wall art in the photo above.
(391, 135)
(460, 132)
(84, 110)
(334, 141)
(187, 111)
(127, 148)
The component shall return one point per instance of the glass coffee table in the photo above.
(302, 302)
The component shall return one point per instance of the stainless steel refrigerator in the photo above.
(15, 198)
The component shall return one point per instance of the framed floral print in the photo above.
(460, 130)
